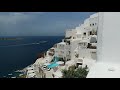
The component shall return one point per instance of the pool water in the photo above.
(54, 64)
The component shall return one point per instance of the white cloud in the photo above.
(15, 23)
(34, 23)
(15, 17)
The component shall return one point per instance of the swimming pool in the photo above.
(54, 64)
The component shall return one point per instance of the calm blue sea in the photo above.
(17, 54)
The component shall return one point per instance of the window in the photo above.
(90, 32)
(84, 44)
(84, 34)
(80, 44)
(90, 24)
(93, 24)
(77, 64)
(93, 52)
(69, 52)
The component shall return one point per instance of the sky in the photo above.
(39, 23)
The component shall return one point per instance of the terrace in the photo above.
(90, 46)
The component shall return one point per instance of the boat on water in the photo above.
(42, 41)
(19, 71)
(10, 74)
(13, 77)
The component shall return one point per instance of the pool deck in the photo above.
(104, 70)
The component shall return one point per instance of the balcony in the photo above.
(68, 37)
(51, 54)
(91, 47)
(55, 46)
(68, 42)
(51, 50)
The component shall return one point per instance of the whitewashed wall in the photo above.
(68, 33)
(108, 37)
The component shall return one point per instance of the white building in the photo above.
(78, 47)
(108, 58)
(80, 43)
(30, 72)
(61, 50)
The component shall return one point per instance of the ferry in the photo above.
(10, 74)
(13, 77)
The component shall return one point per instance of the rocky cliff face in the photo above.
(40, 55)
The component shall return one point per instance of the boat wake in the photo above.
(42, 42)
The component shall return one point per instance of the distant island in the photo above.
(11, 38)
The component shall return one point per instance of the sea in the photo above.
(21, 51)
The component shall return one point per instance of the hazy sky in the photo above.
(39, 23)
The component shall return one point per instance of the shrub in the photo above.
(74, 72)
